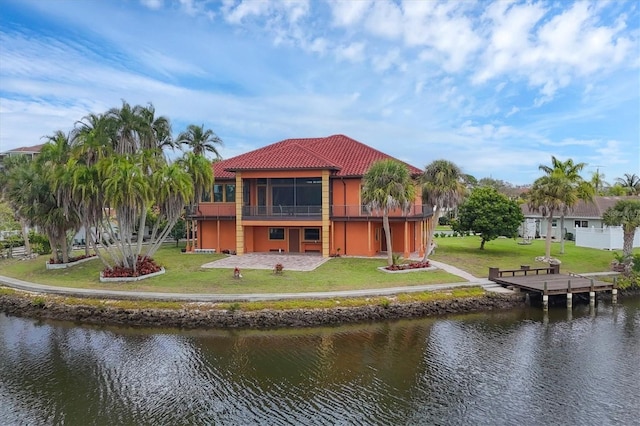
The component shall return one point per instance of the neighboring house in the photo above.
(301, 196)
(585, 216)
(31, 151)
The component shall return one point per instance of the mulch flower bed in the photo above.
(405, 266)
(144, 266)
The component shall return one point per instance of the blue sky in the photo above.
(497, 87)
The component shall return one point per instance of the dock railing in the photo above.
(523, 271)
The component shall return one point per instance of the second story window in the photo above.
(222, 193)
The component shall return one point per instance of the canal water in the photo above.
(519, 367)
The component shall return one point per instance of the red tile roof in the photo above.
(35, 148)
(346, 156)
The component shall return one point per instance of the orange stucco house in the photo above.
(302, 196)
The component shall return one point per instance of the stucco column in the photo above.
(406, 240)
(239, 227)
(325, 214)
(421, 239)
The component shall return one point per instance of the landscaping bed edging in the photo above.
(401, 271)
(130, 279)
(69, 264)
(212, 316)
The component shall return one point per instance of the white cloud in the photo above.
(353, 52)
(235, 14)
(514, 110)
(385, 19)
(550, 51)
(348, 13)
(388, 60)
(152, 4)
(437, 79)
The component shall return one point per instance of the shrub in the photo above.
(278, 268)
(39, 239)
(396, 258)
(443, 221)
(39, 302)
(412, 265)
(569, 236)
(144, 266)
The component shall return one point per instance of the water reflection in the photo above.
(520, 367)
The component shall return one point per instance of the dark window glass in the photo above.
(246, 193)
(276, 233)
(282, 196)
(230, 192)
(311, 234)
(217, 193)
(206, 196)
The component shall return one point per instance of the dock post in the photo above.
(592, 295)
(614, 292)
(569, 295)
(545, 298)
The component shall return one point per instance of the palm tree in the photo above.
(625, 213)
(173, 188)
(443, 187)
(11, 180)
(387, 185)
(631, 183)
(130, 129)
(200, 140)
(576, 188)
(128, 190)
(547, 195)
(62, 218)
(158, 129)
(201, 172)
(598, 182)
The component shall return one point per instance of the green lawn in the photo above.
(184, 273)
(503, 253)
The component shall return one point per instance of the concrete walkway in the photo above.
(259, 261)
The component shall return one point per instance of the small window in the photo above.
(585, 224)
(576, 224)
(554, 223)
(311, 234)
(217, 193)
(276, 233)
(230, 193)
(206, 196)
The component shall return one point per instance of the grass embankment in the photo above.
(503, 253)
(185, 274)
(281, 305)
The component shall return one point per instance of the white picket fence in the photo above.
(607, 238)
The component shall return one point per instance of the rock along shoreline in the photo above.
(211, 316)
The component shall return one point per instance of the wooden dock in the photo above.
(549, 281)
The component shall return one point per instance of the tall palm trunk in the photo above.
(432, 221)
(627, 243)
(25, 236)
(562, 234)
(547, 247)
(387, 234)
